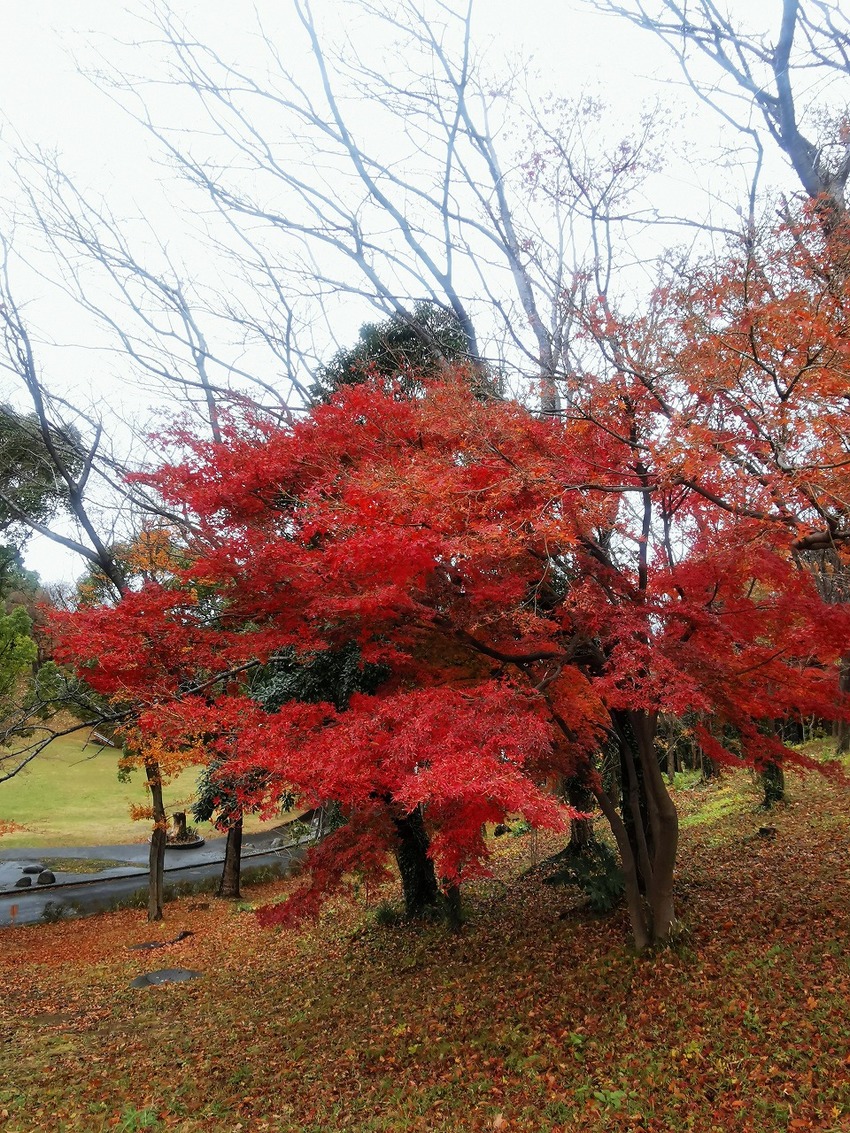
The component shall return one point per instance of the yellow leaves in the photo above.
(128, 761)
(153, 751)
(153, 553)
(138, 812)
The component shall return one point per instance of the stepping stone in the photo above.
(23, 882)
(165, 976)
(33, 869)
(46, 878)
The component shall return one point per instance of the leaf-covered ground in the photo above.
(532, 1019)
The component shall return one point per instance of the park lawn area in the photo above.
(68, 796)
(534, 1019)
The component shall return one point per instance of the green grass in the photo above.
(81, 865)
(68, 796)
(726, 797)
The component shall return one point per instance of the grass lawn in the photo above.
(68, 796)
(534, 1019)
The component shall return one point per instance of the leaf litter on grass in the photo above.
(523, 1022)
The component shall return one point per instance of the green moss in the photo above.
(718, 803)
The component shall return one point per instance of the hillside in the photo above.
(535, 1018)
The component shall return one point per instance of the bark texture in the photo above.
(230, 874)
(418, 879)
(156, 859)
(581, 829)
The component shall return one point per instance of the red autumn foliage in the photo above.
(538, 588)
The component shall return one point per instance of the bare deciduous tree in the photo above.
(761, 75)
(393, 185)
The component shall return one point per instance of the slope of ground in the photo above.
(533, 1019)
(70, 795)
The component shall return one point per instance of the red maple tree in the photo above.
(538, 589)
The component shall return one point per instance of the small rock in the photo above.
(32, 869)
(46, 877)
(767, 831)
(165, 976)
(23, 882)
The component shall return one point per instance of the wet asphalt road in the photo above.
(84, 894)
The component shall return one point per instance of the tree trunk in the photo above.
(664, 825)
(707, 766)
(418, 880)
(229, 884)
(454, 912)
(634, 808)
(670, 754)
(634, 901)
(841, 728)
(180, 832)
(156, 860)
(773, 784)
(581, 829)
(647, 830)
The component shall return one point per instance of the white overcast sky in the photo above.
(46, 101)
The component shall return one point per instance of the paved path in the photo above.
(93, 892)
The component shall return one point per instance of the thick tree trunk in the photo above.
(707, 766)
(647, 831)
(156, 860)
(581, 829)
(664, 824)
(773, 785)
(229, 884)
(454, 912)
(418, 880)
(635, 812)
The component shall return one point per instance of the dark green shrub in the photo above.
(386, 914)
(595, 871)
